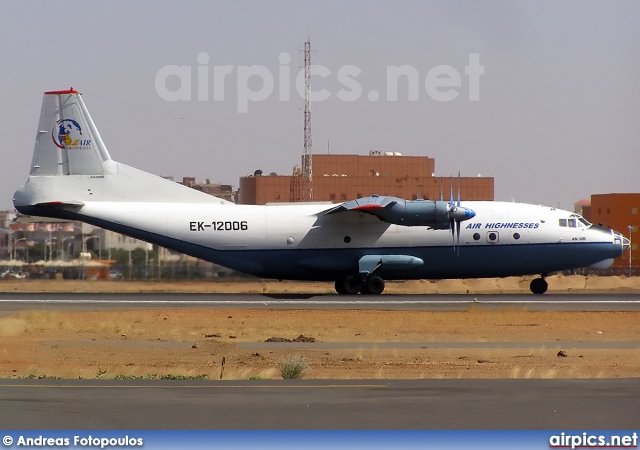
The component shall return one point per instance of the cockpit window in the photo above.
(574, 221)
(584, 222)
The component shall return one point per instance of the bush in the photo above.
(293, 368)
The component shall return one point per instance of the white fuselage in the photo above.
(298, 241)
(73, 177)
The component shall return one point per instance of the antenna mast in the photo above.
(307, 172)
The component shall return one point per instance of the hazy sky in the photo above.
(556, 119)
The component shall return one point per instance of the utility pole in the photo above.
(630, 248)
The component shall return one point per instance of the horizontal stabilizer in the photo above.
(70, 205)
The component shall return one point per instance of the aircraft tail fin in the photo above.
(68, 142)
(71, 165)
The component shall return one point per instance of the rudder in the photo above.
(68, 142)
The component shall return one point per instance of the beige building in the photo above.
(223, 191)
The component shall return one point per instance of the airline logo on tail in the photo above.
(67, 133)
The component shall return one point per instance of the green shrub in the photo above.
(293, 368)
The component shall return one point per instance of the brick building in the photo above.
(339, 178)
(619, 212)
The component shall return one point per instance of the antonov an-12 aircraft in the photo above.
(357, 244)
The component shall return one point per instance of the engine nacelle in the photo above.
(413, 213)
(410, 213)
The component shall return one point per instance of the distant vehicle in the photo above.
(115, 275)
(70, 273)
(12, 274)
(357, 244)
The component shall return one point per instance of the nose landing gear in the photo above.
(539, 285)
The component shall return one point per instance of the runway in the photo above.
(321, 404)
(14, 302)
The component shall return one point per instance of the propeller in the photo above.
(457, 214)
(458, 222)
(452, 210)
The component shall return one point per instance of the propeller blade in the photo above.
(458, 233)
(457, 213)
(452, 226)
(451, 191)
(458, 188)
(440, 188)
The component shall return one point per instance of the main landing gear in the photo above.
(539, 285)
(352, 284)
(374, 285)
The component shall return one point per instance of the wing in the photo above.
(433, 214)
(369, 205)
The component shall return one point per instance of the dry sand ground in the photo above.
(195, 342)
(512, 285)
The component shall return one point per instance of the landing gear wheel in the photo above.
(374, 285)
(339, 287)
(539, 286)
(349, 285)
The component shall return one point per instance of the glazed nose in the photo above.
(626, 243)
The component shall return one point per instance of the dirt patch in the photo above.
(514, 285)
(349, 344)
